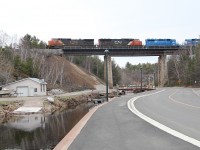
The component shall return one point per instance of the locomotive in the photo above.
(56, 43)
(192, 42)
(160, 42)
(119, 42)
(64, 43)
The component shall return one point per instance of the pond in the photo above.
(37, 131)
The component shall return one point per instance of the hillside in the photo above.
(67, 75)
(57, 71)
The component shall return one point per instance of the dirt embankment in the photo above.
(60, 73)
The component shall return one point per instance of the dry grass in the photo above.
(6, 102)
(73, 77)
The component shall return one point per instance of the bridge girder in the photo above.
(122, 51)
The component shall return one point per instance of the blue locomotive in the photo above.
(160, 42)
(192, 42)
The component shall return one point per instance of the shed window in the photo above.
(35, 89)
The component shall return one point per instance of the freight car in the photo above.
(70, 43)
(192, 42)
(160, 42)
(119, 42)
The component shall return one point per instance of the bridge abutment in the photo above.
(162, 70)
(110, 76)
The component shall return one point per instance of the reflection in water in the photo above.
(40, 132)
(29, 123)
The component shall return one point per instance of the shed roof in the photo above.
(40, 81)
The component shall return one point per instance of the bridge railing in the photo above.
(121, 47)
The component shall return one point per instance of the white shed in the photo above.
(28, 87)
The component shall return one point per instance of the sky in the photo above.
(142, 19)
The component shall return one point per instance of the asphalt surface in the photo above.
(115, 127)
(177, 108)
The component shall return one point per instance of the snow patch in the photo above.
(28, 109)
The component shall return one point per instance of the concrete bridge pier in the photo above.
(110, 76)
(162, 70)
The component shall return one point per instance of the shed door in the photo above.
(22, 91)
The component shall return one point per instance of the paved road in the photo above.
(115, 127)
(176, 108)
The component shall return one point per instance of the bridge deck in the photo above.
(121, 51)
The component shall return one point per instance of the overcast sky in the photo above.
(46, 19)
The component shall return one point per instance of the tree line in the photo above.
(184, 67)
(17, 59)
(132, 75)
(20, 59)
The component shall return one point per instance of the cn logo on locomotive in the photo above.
(117, 42)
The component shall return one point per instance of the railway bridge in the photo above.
(161, 52)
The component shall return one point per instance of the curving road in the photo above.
(115, 127)
(178, 109)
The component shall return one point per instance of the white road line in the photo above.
(196, 92)
(184, 137)
(170, 97)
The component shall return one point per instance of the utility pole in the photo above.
(106, 56)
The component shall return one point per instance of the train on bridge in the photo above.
(64, 43)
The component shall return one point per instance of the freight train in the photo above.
(64, 43)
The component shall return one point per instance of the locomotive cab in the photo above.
(55, 43)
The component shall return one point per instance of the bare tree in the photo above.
(6, 67)
(177, 65)
(62, 73)
(3, 38)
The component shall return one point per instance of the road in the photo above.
(176, 108)
(115, 127)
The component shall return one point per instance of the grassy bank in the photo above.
(67, 102)
(6, 109)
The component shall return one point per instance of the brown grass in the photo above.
(74, 77)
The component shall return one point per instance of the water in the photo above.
(34, 132)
